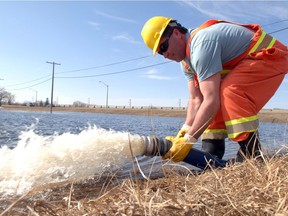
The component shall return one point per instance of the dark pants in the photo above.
(214, 147)
(249, 148)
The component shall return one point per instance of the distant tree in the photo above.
(78, 104)
(41, 103)
(11, 99)
(47, 102)
(6, 97)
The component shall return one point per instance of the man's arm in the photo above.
(195, 100)
(207, 110)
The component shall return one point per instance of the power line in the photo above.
(106, 65)
(104, 74)
(125, 71)
(30, 86)
(101, 66)
(111, 73)
(115, 63)
(274, 23)
(278, 30)
(28, 81)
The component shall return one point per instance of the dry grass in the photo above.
(275, 116)
(249, 188)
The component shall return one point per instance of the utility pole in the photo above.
(36, 95)
(107, 86)
(52, 89)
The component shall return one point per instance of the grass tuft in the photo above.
(250, 188)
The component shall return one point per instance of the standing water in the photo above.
(40, 148)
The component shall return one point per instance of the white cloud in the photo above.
(125, 37)
(153, 71)
(246, 11)
(157, 77)
(153, 74)
(122, 19)
(94, 24)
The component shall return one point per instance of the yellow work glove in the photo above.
(185, 128)
(181, 147)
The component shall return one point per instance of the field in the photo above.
(254, 187)
(275, 115)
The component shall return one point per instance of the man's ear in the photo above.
(177, 33)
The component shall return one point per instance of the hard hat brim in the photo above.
(153, 30)
(156, 45)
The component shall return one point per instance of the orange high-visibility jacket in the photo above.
(234, 118)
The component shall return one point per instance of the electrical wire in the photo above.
(274, 23)
(101, 66)
(28, 81)
(31, 85)
(125, 71)
(111, 73)
(106, 65)
(278, 30)
(116, 63)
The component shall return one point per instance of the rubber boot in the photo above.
(249, 148)
(215, 147)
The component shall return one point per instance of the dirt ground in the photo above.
(266, 115)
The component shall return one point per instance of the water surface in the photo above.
(48, 148)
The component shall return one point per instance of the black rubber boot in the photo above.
(215, 147)
(249, 148)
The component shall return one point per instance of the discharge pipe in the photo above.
(155, 146)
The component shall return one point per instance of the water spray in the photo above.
(155, 146)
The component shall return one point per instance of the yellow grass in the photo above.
(249, 188)
(275, 115)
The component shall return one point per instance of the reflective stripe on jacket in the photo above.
(234, 127)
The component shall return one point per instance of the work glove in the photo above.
(185, 128)
(181, 147)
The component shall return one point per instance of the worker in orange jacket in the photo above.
(232, 71)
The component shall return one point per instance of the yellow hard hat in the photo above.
(153, 30)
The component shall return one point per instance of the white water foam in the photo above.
(40, 160)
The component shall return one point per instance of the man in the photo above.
(232, 71)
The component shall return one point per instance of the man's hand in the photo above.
(180, 148)
(185, 128)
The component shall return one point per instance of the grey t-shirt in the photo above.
(215, 45)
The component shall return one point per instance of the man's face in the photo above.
(172, 46)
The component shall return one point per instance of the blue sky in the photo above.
(101, 41)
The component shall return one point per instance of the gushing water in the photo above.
(39, 160)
